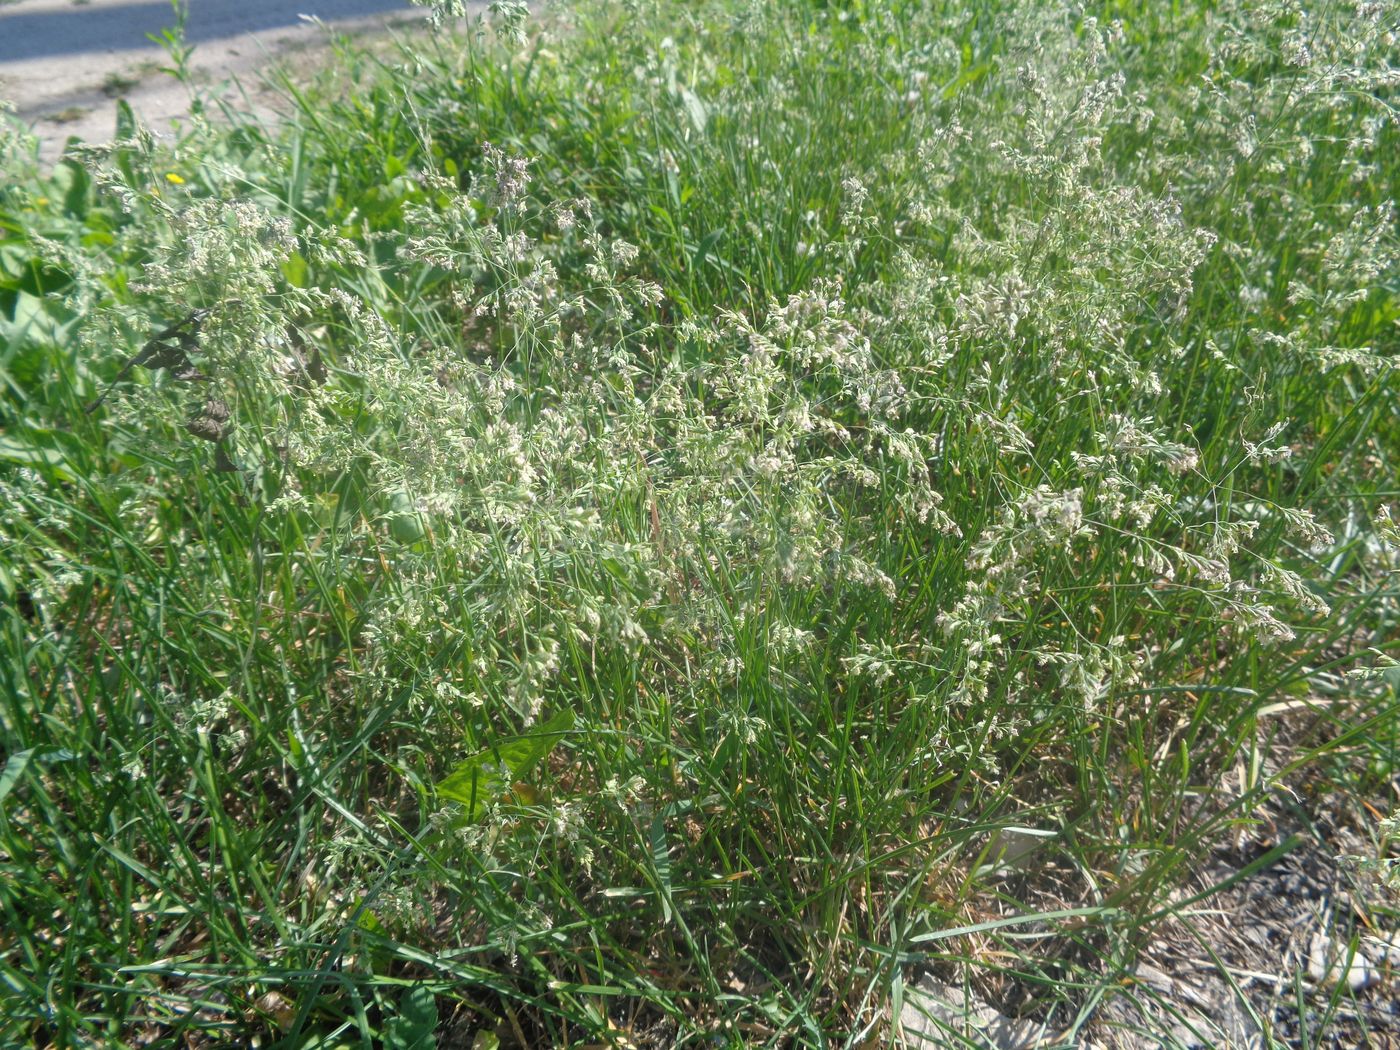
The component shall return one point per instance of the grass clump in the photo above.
(604, 535)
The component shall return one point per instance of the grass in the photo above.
(120, 82)
(640, 515)
(67, 115)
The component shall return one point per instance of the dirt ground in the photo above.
(65, 63)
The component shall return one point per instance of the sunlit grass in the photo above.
(603, 534)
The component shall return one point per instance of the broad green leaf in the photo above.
(126, 120)
(75, 183)
(295, 270)
(488, 774)
(966, 78)
(405, 522)
(15, 766)
(40, 449)
(413, 1026)
(704, 248)
(368, 921)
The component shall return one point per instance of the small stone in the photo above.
(1012, 847)
(277, 1008)
(1383, 948)
(934, 1011)
(1329, 965)
(1154, 978)
(1362, 975)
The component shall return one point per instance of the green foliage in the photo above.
(488, 775)
(414, 1026)
(876, 430)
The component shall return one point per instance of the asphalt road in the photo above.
(63, 63)
(34, 29)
